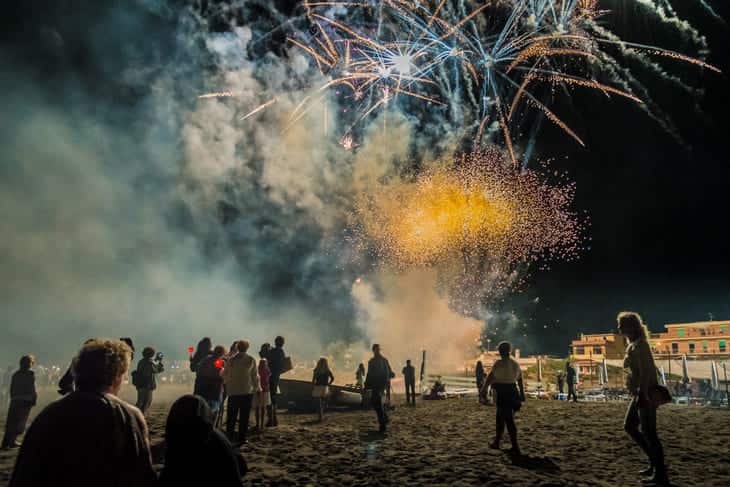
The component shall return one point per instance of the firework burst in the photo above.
(476, 205)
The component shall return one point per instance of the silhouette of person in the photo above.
(23, 397)
(195, 452)
(561, 382)
(378, 376)
(640, 421)
(146, 377)
(409, 375)
(570, 376)
(276, 358)
(90, 437)
(505, 377)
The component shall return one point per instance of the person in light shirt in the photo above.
(505, 377)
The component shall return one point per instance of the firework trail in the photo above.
(480, 58)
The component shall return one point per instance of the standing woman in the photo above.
(205, 347)
(22, 398)
(209, 383)
(504, 378)
(480, 377)
(640, 421)
(321, 379)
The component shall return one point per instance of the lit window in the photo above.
(675, 348)
(691, 348)
(721, 343)
(680, 332)
(723, 328)
(597, 350)
(704, 347)
(579, 351)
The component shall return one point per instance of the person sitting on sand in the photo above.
(89, 437)
(322, 378)
(145, 377)
(640, 421)
(195, 452)
(504, 378)
(23, 397)
(209, 380)
(241, 378)
(379, 374)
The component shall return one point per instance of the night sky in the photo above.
(659, 233)
(659, 209)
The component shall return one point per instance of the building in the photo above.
(703, 340)
(588, 351)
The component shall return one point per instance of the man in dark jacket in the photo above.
(90, 437)
(409, 374)
(145, 377)
(276, 358)
(379, 373)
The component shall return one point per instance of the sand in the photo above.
(446, 443)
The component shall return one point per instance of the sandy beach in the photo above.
(446, 443)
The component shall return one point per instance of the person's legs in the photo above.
(273, 388)
(234, 406)
(631, 426)
(320, 405)
(509, 421)
(377, 403)
(144, 399)
(244, 414)
(499, 429)
(654, 449)
(413, 393)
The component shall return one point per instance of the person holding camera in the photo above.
(144, 378)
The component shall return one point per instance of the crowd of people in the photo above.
(92, 434)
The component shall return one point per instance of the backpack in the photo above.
(135, 379)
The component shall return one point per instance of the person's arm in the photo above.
(646, 369)
(490, 378)
(33, 392)
(332, 377)
(521, 385)
(255, 376)
(314, 377)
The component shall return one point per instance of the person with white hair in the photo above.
(505, 377)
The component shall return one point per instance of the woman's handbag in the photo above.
(659, 395)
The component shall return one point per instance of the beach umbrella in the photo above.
(685, 370)
(604, 369)
(714, 376)
(663, 376)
